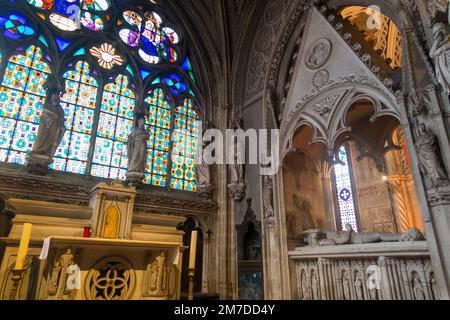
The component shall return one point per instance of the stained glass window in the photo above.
(114, 126)
(155, 42)
(344, 191)
(70, 15)
(22, 99)
(14, 26)
(159, 126)
(99, 118)
(79, 103)
(184, 147)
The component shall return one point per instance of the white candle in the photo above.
(23, 247)
(193, 249)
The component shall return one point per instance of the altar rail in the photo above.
(381, 271)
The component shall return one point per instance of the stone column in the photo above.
(275, 255)
(401, 202)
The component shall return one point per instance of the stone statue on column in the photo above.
(268, 197)
(137, 152)
(237, 186)
(440, 53)
(51, 129)
(204, 185)
(429, 160)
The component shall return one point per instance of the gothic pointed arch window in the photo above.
(79, 104)
(21, 102)
(346, 212)
(146, 72)
(114, 126)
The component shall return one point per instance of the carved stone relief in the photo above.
(160, 278)
(321, 78)
(63, 273)
(112, 278)
(318, 54)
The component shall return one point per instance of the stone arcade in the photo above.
(101, 195)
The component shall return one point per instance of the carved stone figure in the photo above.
(418, 290)
(315, 286)
(429, 161)
(440, 52)
(346, 286)
(433, 286)
(51, 129)
(58, 281)
(358, 286)
(237, 186)
(268, 197)
(204, 184)
(156, 283)
(137, 152)
(305, 287)
(349, 236)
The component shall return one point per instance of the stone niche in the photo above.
(127, 255)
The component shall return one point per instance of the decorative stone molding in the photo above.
(358, 79)
(439, 197)
(365, 272)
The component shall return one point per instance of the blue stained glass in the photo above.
(344, 191)
(65, 7)
(62, 44)
(175, 84)
(15, 26)
(130, 70)
(80, 52)
(144, 73)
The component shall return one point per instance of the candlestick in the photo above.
(16, 280)
(191, 276)
(23, 247)
(193, 249)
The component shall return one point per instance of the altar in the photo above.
(101, 252)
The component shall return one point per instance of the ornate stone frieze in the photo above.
(357, 78)
(276, 13)
(50, 189)
(396, 276)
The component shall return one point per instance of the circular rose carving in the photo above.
(318, 54)
(112, 278)
(320, 78)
